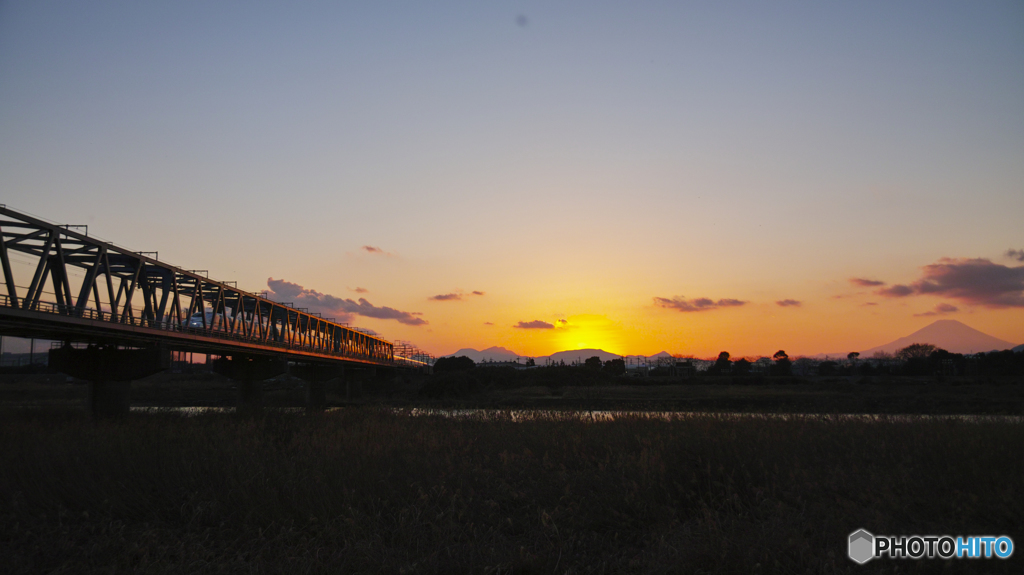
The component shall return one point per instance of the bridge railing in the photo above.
(174, 326)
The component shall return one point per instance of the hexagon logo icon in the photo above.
(861, 547)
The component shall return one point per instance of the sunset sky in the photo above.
(638, 177)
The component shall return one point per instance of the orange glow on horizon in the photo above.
(589, 331)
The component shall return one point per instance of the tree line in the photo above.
(918, 359)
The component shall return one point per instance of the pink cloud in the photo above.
(446, 297)
(975, 281)
(941, 309)
(374, 250)
(895, 291)
(454, 296)
(331, 306)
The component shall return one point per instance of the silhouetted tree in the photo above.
(1004, 362)
(922, 359)
(915, 351)
(615, 366)
(741, 367)
(722, 364)
(867, 368)
(782, 364)
(827, 368)
(446, 364)
(593, 363)
(530, 362)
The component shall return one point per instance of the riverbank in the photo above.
(368, 490)
(889, 395)
(827, 397)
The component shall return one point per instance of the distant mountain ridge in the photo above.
(577, 355)
(493, 353)
(568, 356)
(948, 334)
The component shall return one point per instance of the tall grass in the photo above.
(370, 491)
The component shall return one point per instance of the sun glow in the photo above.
(589, 332)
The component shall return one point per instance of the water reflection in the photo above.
(609, 415)
(184, 411)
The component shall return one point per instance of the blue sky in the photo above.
(566, 158)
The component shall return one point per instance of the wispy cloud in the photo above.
(1015, 254)
(535, 324)
(446, 297)
(862, 282)
(789, 303)
(457, 295)
(366, 309)
(895, 291)
(374, 250)
(331, 306)
(488, 323)
(700, 304)
(941, 309)
(360, 290)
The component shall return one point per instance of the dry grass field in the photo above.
(368, 490)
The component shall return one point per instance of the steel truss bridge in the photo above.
(119, 297)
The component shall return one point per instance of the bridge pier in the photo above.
(317, 377)
(250, 395)
(354, 387)
(249, 371)
(316, 396)
(109, 371)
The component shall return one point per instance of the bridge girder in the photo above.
(105, 293)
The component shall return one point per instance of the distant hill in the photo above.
(947, 334)
(501, 354)
(1019, 348)
(569, 356)
(580, 355)
(494, 353)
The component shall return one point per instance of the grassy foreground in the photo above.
(371, 491)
